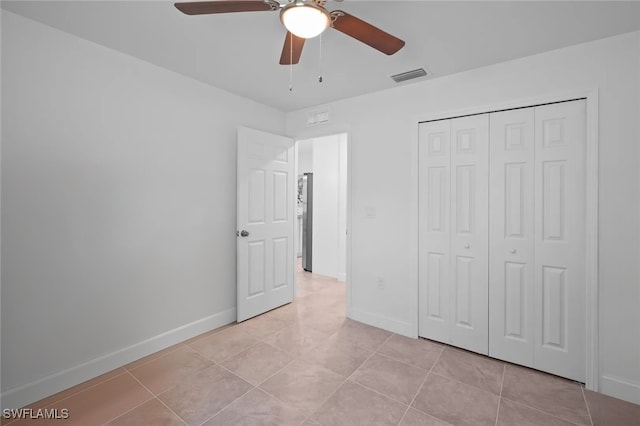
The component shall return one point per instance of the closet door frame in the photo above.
(591, 231)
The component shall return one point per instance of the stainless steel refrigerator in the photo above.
(307, 220)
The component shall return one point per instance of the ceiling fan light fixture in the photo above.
(305, 19)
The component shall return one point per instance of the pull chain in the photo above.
(320, 61)
(290, 62)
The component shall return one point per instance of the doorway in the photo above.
(322, 205)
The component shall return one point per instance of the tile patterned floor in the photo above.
(307, 364)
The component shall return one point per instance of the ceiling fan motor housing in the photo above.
(305, 18)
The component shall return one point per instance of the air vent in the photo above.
(398, 78)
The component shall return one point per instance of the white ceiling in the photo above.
(239, 52)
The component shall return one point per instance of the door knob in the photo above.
(244, 233)
(513, 251)
(467, 245)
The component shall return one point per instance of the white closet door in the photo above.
(511, 266)
(560, 239)
(469, 292)
(433, 268)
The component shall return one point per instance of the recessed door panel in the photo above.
(256, 264)
(465, 199)
(554, 307)
(256, 196)
(281, 153)
(280, 262)
(437, 291)
(466, 141)
(553, 200)
(437, 191)
(437, 142)
(280, 196)
(515, 308)
(553, 132)
(463, 280)
(515, 199)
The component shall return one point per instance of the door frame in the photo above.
(317, 133)
(591, 231)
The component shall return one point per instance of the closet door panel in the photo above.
(560, 239)
(469, 232)
(434, 224)
(511, 265)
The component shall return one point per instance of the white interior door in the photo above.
(434, 199)
(265, 222)
(511, 266)
(469, 257)
(560, 239)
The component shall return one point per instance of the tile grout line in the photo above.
(307, 417)
(403, 362)
(378, 392)
(128, 411)
(153, 396)
(350, 375)
(254, 387)
(178, 346)
(229, 404)
(420, 388)
(295, 358)
(125, 370)
(586, 403)
(542, 411)
(562, 379)
(156, 397)
(504, 369)
(223, 360)
(86, 389)
(463, 383)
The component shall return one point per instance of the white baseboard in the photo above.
(390, 324)
(342, 277)
(46, 386)
(620, 388)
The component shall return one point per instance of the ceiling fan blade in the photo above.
(226, 6)
(366, 33)
(291, 50)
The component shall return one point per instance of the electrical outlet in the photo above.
(370, 212)
(380, 283)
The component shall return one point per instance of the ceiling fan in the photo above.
(303, 19)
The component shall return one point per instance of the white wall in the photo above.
(342, 206)
(305, 156)
(118, 207)
(329, 167)
(382, 126)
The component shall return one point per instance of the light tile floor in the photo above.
(307, 364)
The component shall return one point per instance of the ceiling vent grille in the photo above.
(398, 78)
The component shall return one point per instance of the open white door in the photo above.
(265, 222)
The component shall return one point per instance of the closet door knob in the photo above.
(513, 251)
(467, 246)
